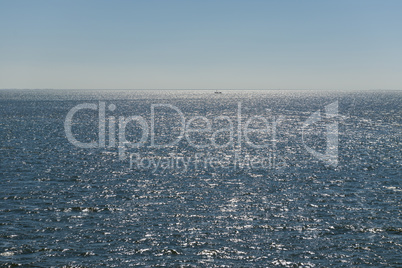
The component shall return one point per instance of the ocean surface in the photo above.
(251, 179)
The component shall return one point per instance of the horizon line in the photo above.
(317, 89)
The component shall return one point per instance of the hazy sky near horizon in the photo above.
(311, 44)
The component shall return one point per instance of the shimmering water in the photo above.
(63, 205)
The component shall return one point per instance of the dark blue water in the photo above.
(61, 205)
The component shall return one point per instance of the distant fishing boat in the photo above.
(218, 92)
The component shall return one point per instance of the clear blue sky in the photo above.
(201, 44)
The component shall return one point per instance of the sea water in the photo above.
(291, 178)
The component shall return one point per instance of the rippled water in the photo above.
(63, 205)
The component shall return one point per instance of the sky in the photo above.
(121, 44)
